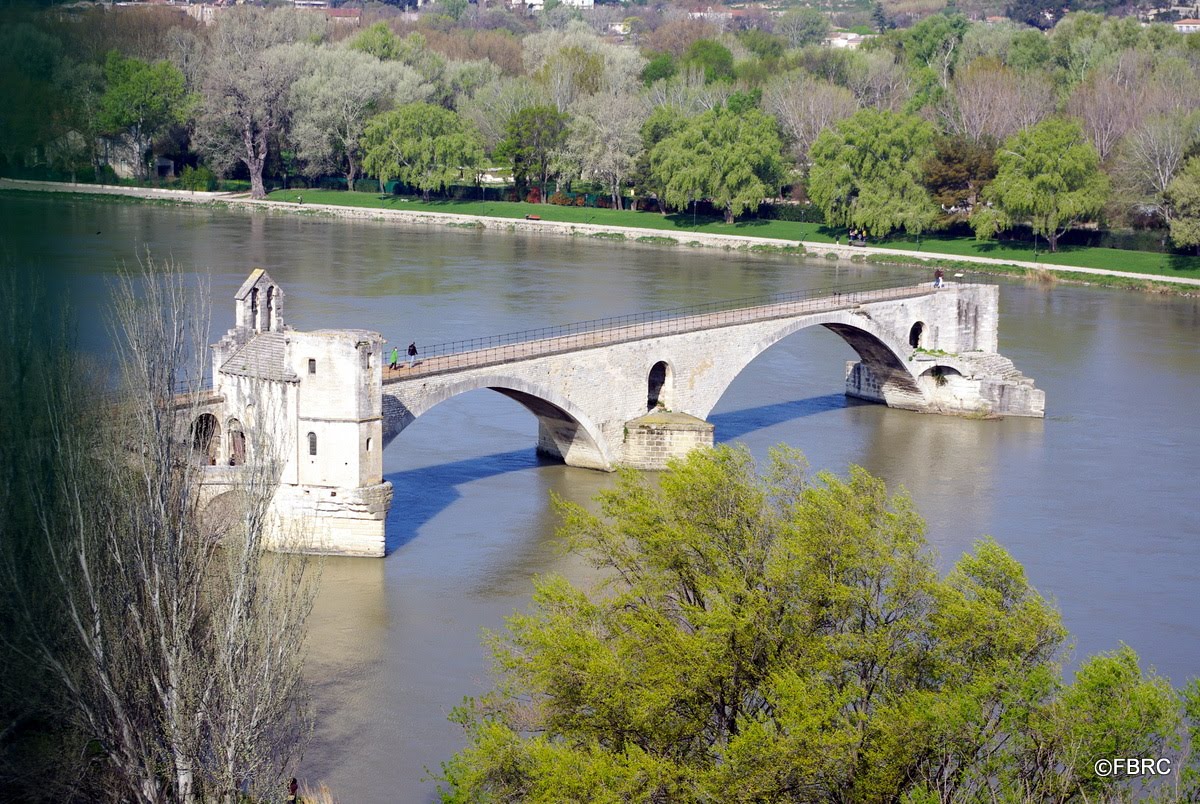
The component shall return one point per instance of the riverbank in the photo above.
(1144, 270)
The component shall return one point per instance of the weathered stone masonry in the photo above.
(632, 399)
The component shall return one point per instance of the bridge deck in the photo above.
(592, 338)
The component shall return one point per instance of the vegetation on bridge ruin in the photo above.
(787, 638)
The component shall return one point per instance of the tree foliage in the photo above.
(957, 173)
(802, 26)
(1048, 175)
(605, 139)
(142, 100)
(711, 58)
(533, 137)
(867, 172)
(335, 98)
(1184, 193)
(423, 145)
(255, 59)
(789, 639)
(732, 158)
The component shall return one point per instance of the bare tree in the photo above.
(1108, 103)
(805, 107)
(605, 138)
(247, 88)
(689, 93)
(181, 652)
(990, 101)
(494, 104)
(879, 81)
(334, 99)
(1150, 156)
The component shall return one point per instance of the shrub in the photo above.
(366, 186)
(800, 213)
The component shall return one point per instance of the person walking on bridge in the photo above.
(395, 358)
(412, 354)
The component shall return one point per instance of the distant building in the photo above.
(845, 39)
(1187, 26)
(201, 12)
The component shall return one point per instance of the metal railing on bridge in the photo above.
(524, 344)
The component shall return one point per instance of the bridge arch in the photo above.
(564, 430)
(883, 358)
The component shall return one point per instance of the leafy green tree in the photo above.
(421, 144)
(711, 58)
(454, 9)
(1049, 175)
(142, 100)
(658, 68)
(932, 46)
(867, 171)
(789, 639)
(731, 155)
(762, 44)
(533, 138)
(380, 42)
(1184, 194)
(663, 121)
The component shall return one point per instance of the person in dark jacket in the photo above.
(412, 354)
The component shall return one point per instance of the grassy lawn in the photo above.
(1142, 262)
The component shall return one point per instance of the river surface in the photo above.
(1099, 501)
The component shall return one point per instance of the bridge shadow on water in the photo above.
(737, 423)
(421, 494)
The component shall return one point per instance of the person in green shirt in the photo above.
(395, 358)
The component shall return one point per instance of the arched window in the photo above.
(368, 445)
(254, 309)
(270, 324)
(237, 442)
(659, 386)
(312, 443)
(914, 335)
(312, 366)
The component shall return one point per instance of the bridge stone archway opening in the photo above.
(564, 433)
(659, 386)
(914, 334)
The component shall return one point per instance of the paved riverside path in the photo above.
(614, 331)
(426, 217)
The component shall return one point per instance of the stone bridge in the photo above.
(633, 390)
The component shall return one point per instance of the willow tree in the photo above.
(867, 172)
(1048, 175)
(423, 145)
(731, 156)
